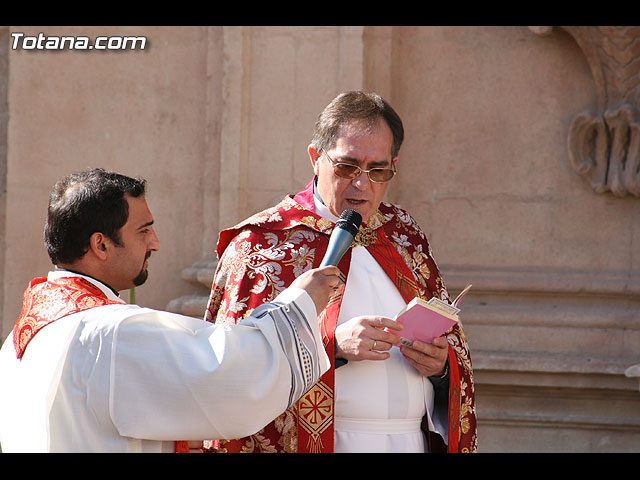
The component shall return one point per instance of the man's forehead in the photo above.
(362, 128)
(138, 207)
(352, 141)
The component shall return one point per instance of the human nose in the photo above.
(154, 241)
(362, 180)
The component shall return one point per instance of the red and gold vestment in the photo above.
(46, 301)
(261, 256)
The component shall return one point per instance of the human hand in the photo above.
(428, 359)
(320, 284)
(366, 338)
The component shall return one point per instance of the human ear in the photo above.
(97, 245)
(314, 155)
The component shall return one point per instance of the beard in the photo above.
(143, 274)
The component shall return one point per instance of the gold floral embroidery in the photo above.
(378, 219)
(309, 221)
(263, 263)
(417, 262)
(465, 410)
(301, 259)
(287, 426)
(365, 237)
(288, 250)
(324, 225)
(258, 442)
(271, 215)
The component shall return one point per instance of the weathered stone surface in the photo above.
(218, 120)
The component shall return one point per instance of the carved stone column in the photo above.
(604, 146)
(200, 275)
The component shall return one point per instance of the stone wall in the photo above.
(505, 141)
(554, 318)
(141, 112)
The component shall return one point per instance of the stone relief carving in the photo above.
(604, 146)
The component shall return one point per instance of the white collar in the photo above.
(321, 208)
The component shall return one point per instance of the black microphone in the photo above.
(342, 237)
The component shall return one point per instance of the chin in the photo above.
(363, 210)
(141, 278)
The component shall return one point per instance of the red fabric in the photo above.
(182, 447)
(265, 253)
(47, 301)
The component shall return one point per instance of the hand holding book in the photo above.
(425, 321)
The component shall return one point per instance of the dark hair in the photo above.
(82, 204)
(356, 106)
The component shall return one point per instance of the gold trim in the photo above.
(315, 410)
(364, 238)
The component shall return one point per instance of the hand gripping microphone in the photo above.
(342, 237)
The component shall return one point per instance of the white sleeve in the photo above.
(175, 377)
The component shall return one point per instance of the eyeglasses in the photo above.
(350, 171)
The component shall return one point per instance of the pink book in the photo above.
(425, 321)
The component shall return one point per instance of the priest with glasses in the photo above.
(378, 396)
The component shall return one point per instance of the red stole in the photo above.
(47, 301)
(262, 255)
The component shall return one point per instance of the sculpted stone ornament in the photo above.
(604, 146)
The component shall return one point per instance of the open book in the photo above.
(425, 321)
